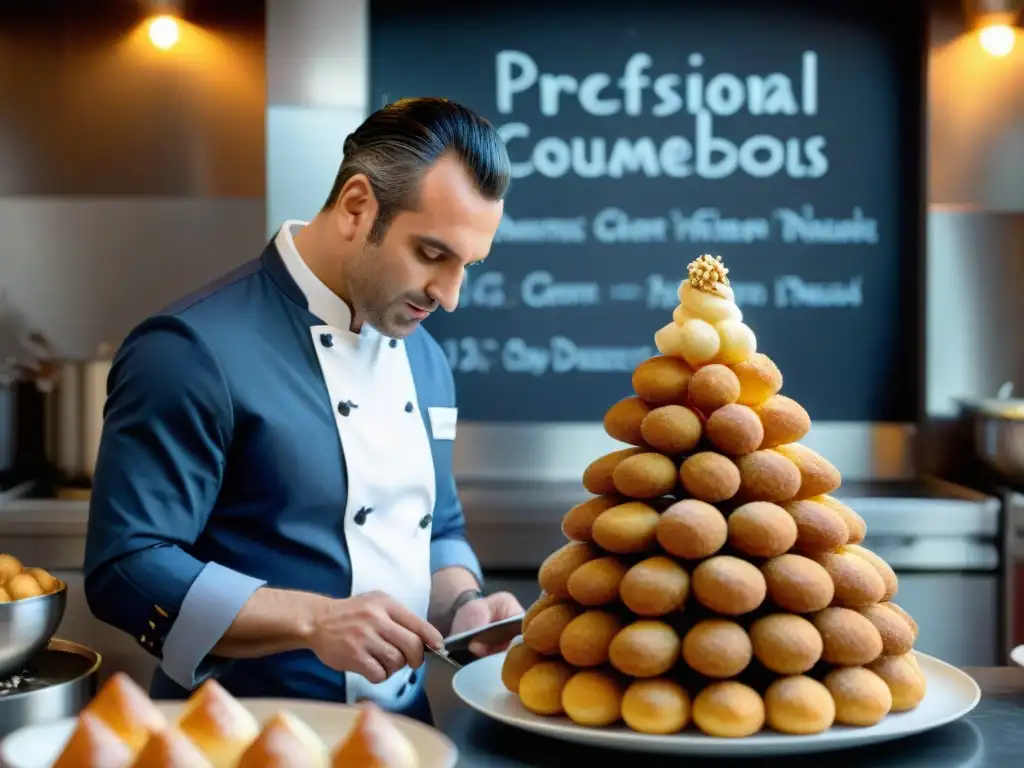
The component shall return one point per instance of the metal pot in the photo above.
(997, 426)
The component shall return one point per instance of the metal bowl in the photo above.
(998, 432)
(26, 626)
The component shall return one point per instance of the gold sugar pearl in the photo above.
(706, 272)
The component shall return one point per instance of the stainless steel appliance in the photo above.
(57, 683)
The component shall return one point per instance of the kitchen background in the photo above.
(134, 167)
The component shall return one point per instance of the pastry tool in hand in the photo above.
(442, 653)
(496, 633)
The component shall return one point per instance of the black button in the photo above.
(408, 407)
(393, 343)
(326, 339)
(412, 677)
(360, 516)
(345, 407)
(426, 520)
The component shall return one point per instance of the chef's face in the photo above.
(420, 262)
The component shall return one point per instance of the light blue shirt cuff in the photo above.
(209, 608)
(447, 552)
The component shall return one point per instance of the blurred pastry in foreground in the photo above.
(93, 744)
(9, 566)
(169, 748)
(127, 710)
(285, 742)
(218, 724)
(374, 742)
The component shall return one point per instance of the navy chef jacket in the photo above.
(251, 439)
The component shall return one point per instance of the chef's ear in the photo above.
(356, 208)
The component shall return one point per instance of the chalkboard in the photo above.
(784, 136)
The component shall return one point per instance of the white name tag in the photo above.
(442, 422)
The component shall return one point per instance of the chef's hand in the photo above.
(482, 611)
(372, 635)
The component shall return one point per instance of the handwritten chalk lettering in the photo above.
(750, 294)
(469, 355)
(614, 225)
(539, 290)
(541, 230)
(519, 357)
(626, 292)
(723, 93)
(567, 356)
(801, 226)
(794, 291)
(707, 225)
(708, 156)
(662, 293)
(483, 290)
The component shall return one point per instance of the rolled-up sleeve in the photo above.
(168, 422)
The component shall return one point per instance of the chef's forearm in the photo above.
(271, 621)
(446, 585)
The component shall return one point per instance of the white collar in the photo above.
(322, 301)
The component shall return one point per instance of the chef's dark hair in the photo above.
(396, 145)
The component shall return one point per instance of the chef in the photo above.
(273, 499)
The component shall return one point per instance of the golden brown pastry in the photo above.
(545, 631)
(645, 648)
(819, 528)
(656, 706)
(759, 379)
(692, 529)
(557, 567)
(9, 566)
(518, 659)
(711, 387)
(728, 585)
(22, 586)
(627, 529)
(817, 475)
(597, 582)
(645, 476)
(897, 637)
(856, 582)
(593, 698)
(861, 697)
(4, 597)
(728, 709)
(585, 640)
(127, 710)
(169, 748)
(285, 742)
(597, 477)
(799, 705)
(218, 724)
(855, 524)
(543, 601)
(374, 742)
(767, 476)
(848, 639)
(762, 529)
(798, 584)
(578, 523)
(622, 421)
(662, 380)
(46, 580)
(884, 569)
(717, 648)
(735, 429)
(654, 587)
(93, 744)
(906, 683)
(905, 616)
(786, 643)
(672, 429)
(540, 690)
(709, 476)
(783, 421)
